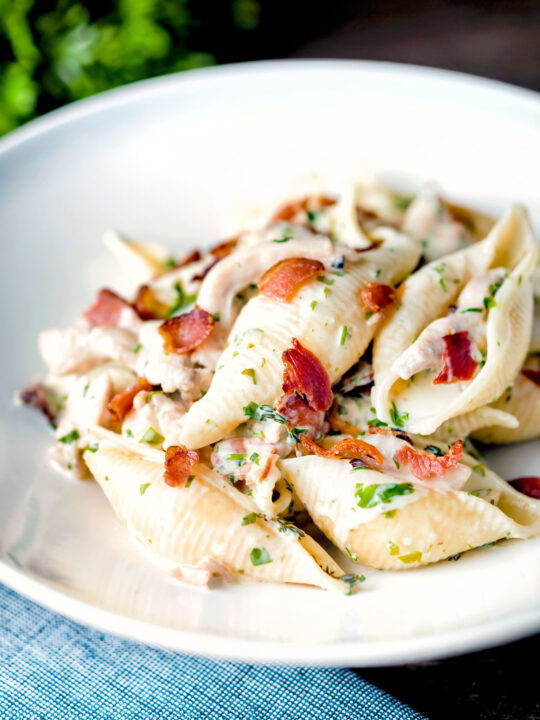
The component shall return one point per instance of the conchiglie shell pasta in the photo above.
(185, 524)
(523, 401)
(251, 367)
(427, 525)
(510, 245)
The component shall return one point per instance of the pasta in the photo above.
(329, 367)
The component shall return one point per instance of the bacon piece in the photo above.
(292, 210)
(106, 309)
(457, 361)
(178, 464)
(529, 485)
(191, 257)
(299, 414)
(283, 280)
(224, 248)
(35, 395)
(337, 423)
(424, 464)
(533, 375)
(122, 402)
(350, 448)
(184, 333)
(305, 375)
(147, 306)
(376, 297)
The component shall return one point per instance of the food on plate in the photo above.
(325, 372)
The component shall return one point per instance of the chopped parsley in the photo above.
(216, 317)
(236, 456)
(137, 347)
(440, 270)
(152, 437)
(352, 581)
(400, 202)
(250, 519)
(287, 235)
(129, 433)
(398, 419)
(70, 437)
(326, 281)
(480, 468)
(190, 479)
(254, 457)
(313, 304)
(475, 309)
(369, 496)
(286, 526)
(326, 292)
(344, 335)
(368, 314)
(352, 555)
(396, 463)
(393, 549)
(93, 448)
(260, 556)
(143, 488)
(489, 301)
(454, 558)
(85, 389)
(390, 514)
(265, 412)
(181, 302)
(250, 372)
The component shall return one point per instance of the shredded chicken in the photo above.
(428, 219)
(173, 372)
(79, 349)
(158, 411)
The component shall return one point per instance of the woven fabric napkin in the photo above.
(54, 668)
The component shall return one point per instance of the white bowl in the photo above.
(180, 159)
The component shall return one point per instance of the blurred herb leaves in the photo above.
(55, 52)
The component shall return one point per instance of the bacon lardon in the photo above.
(424, 464)
(457, 361)
(284, 279)
(122, 402)
(106, 309)
(178, 465)
(184, 333)
(376, 297)
(305, 375)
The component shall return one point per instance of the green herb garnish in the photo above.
(371, 495)
(70, 437)
(152, 437)
(260, 556)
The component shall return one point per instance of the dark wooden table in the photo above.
(499, 40)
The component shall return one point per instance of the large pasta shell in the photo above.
(251, 367)
(523, 401)
(427, 525)
(186, 524)
(511, 245)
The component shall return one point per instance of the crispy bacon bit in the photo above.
(401, 434)
(184, 333)
(35, 396)
(528, 486)
(224, 248)
(350, 448)
(283, 280)
(106, 309)
(457, 361)
(533, 375)
(147, 306)
(191, 257)
(295, 210)
(376, 297)
(424, 464)
(299, 414)
(178, 465)
(305, 375)
(122, 402)
(337, 423)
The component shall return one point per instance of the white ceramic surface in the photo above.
(179, 159)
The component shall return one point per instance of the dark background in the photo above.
(55, 52)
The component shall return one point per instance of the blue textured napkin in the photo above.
(54, 668)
